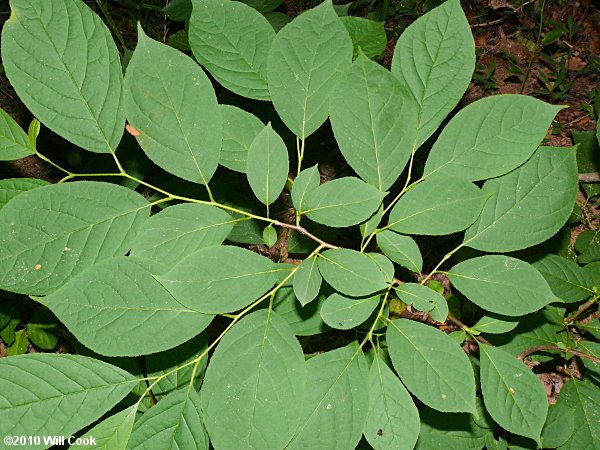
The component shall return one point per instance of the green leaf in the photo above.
(425, 299)
(33, 133)
(367, 35)
(254, 385)
(351, 272)
(370, 225)
(42, 330)
(435, 58)
(495, 324)
(220, 279)
(584, 399)
(178, 10)
(344, 313)
(559, 426)
(11, 187)
(68, 391)
(393, 419)
(239, 130)
(588, 246)
(491, 137)
(502, 284)
(513, 395)
(232, 41)
(267, 165)
(449, 431)
(270, 235)
(437, 206)
(536, 199)
(307, 281)
(304, 64)
(14, 143)
(400, 249)
(20, 344)
(112, 433)
(306, 182)
(336, 402)
(278, 20)
(432, 366)
(105, 305)
(342, 202)
(54, 232)
(374, 120)
(166, 95)
(65, 67)
(385, 265)
(175, 422)
(179, 231)
(263, 6)
(568, 281)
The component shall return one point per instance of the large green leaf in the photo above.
(437, 206)
(495, 324)
(267, 165)
(64, 65)
(584, 399)
(502, 284)
(172, 104)
(254, 385)
(232, 40)
(239, 130)
(14, 143)
(559, 426)
(112, 433)
(536, 200)
(304, 64)
(175, 422)
(307, 281)
(11, 187)
(343, 313)
(263, 6)
(105, 305)
(432, 366)
(449, 431)
(567, 280)
(367, 35)
(336, 402)
(180, 230)
(435, 59)
(219, 279)
(342, 202)
(374, 120)
(393, 419)
(351, 272)
(52, 394)
(400, 249)
(51, 233)
(513, 395)
(491, 137)
(306, 181)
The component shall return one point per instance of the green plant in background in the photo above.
(137, 279)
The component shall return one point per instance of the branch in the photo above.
(305, 232)
(580, 311)
(591, 177)
(463, 327)
(563, 350)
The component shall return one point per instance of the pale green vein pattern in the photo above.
(343, 313)
(393, 419)
(351, 272)
(536, 200)
(11, 187)
(336, 401)
(491, 137)
(180, 230)
(14, 143)
(568, 281)
(435, 58)
(502, 284)
(232, 40)
(432, 366)
(267, 165)
(239, 130)
(306, 181)
(584, 398)
(52, 394)
(112, 433)
(374, 119)
(219, 279)
(175, 422)
(306, 59)
(171, 103)
(513, 395)
(105, 306)
(400, 249)
(61, 59)
(368, 35)
(254, 385)
(307, 281)
(49, 234)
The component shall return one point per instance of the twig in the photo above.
(305, 232)
(591, 177)
(488, 24)
(554, 347)
(576, 314)
(463, 327)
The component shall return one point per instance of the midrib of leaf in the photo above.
(498, 283)
(375, 146)
(357, 275)
(318, 208)
(310, 273)
(588, 420)
(119, 308)
(229, 278)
